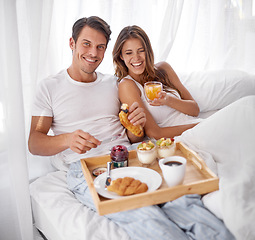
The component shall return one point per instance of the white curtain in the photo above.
(215, 34)
(16, 218)
(191, 35)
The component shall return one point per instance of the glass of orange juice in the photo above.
(152, 90)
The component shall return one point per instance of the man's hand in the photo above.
(40, 143)
(136, 115)
(81, 142)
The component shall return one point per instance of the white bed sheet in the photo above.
(60, 216)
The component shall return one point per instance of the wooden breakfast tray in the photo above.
(199, 179)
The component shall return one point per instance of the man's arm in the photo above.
(39, 143)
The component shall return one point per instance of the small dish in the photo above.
(98, 171)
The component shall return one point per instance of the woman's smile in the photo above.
(137, 64)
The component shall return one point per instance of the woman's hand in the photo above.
(137, 115)
(161, 100)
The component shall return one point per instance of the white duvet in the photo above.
(226, 141)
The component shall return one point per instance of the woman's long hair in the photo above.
(150, 73)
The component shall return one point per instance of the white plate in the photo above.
(146, 175)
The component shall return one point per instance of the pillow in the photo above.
(39, 166)
(227, 137)
(214, 90)
(213, 203)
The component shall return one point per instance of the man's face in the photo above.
(88, 51)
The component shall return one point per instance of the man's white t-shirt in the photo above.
(92, 107)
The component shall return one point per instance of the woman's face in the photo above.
(133, 54)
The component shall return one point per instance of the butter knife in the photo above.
(108, 177)
(110, 139)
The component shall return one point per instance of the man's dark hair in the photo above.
(92, 22)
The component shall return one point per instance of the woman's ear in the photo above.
(121, 57)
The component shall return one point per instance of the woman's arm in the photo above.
(186, 104)
(129, 93)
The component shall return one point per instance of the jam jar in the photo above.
(119, 156)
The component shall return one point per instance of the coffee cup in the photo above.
(173, 169)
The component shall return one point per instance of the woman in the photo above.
(175, 110)
(225, 140)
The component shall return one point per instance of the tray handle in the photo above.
(198, 162)
(196, 159)
(193, 156)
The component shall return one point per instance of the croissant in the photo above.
(127, 186)
(123, 115)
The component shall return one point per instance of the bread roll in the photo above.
(123, 115)
(127, 186)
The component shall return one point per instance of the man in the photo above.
(78, 104)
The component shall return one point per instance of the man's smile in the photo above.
(90, 60)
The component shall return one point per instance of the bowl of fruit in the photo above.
(166, 147)
(146, 152)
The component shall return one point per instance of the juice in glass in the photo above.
(152, 90)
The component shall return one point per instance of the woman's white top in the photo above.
(166, 116)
